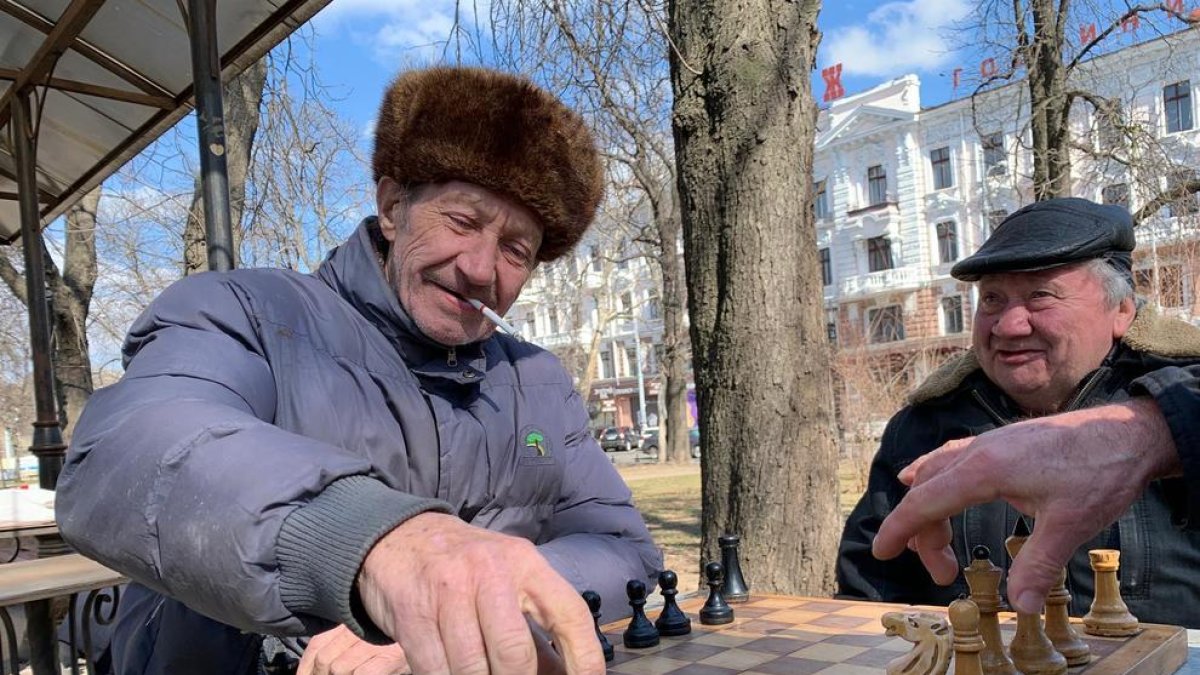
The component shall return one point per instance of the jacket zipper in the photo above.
(452, 357)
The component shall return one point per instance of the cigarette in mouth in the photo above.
(495, 318)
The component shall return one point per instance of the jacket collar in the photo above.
(354, 271)
(1150, 333)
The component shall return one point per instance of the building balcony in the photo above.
(885, 281)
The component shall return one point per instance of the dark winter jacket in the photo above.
(271, 426)
(1160, 553)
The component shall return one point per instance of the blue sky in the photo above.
(361, 44)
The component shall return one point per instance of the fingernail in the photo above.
(1028, 603)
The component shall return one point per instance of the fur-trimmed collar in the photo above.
(1150, 332)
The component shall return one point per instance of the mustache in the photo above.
(465, 291)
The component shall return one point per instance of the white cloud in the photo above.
(400, 31)
(896, 38)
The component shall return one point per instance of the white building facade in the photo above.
(901, 193)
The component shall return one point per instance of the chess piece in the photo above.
(1109, 616)
(931, 640)
(715, 610)
(1058, 625)
(672, 622)
(968, 643)
(640, 633)
(1031, 651)
(983, 578)
(735, 588)
(592, 598)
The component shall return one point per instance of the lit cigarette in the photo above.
(495, 318)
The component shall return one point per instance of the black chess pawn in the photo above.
(592, 598)
(735, 589)
(640, 633)
(715, 611)
(672, 622)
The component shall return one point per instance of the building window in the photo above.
(876, 185)
(606, 364)
(947, 236)
(1177, 99)
(952, 314)
(820, 200)
(831, 331)
(626, 302)
(995, 218)
(631, 360)
(826, 267)
(552, 321)
(995, 160)
(653, 307)
(886, 324)
(943, 173)
(1110, 130)
(1183, 201)
(879, 254)
(1117, 193)
(595, 259)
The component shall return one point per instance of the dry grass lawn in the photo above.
(669, 499)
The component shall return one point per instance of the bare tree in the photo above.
(744, 121)
(610, 60)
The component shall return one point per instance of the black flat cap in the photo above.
(1052, 233)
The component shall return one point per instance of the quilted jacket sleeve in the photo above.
(177, 478)
(1176, 390)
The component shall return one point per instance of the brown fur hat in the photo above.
(498, 131)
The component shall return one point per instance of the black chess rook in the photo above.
(592, 598)
(735, 588)
(715, 611)
(640, 633)
(672, 622)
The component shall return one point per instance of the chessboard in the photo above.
(784, 635)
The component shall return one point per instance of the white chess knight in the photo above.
(931, 635)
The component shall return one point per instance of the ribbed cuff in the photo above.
(323, 544)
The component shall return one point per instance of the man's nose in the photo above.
(477, 263)
(1012, 322)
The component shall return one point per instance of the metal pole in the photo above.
(47, 435)
(637, 351)
(210, 118)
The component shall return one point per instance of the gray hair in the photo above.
(1117, 286)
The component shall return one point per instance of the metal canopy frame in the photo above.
(23, 104)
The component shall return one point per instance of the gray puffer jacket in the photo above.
(271, 426)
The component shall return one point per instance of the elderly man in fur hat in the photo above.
(1080, 400)
(288, 452)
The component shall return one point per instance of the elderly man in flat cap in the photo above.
(287, 453)
(1082, 399)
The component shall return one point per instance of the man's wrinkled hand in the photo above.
(1075, 473)
(457, 598)
(341, 652)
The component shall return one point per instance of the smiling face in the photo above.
(453, 241)
(1038, 334)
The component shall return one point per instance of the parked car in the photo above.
(650, 441)
(618, 438)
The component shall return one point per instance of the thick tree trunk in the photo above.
(744, 122)
(1049, 105)
(242, 97)
(72, 293)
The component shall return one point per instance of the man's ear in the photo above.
(388, 199)
(1126, 311)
